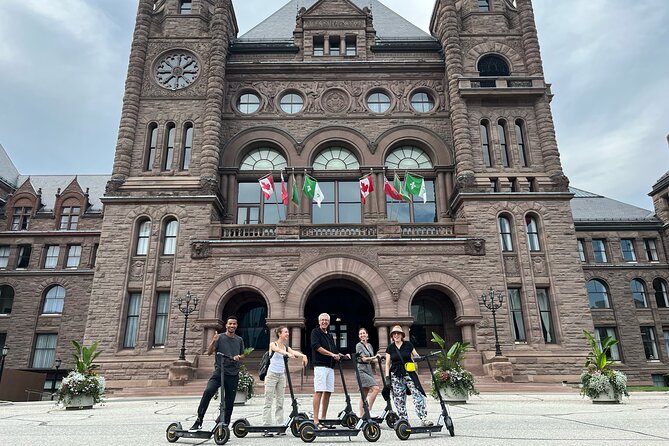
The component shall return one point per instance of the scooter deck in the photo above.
(336, 432)
(194, 434)
(425, 429)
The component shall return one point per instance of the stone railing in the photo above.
(339, 231)
(248, 231)
(417, 230)
(505, 85)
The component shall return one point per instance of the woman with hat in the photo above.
(403, 377)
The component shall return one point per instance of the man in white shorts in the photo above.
(323, 355)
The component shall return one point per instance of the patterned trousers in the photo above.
(399, 385)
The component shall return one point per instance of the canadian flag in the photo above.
(366, 186)
(267, 186)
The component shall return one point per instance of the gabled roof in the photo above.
(592, 208)
(51, 183)
(8, 172)
(387, 23)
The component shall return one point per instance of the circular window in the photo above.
(378, 102)
(408, 157)
(422, 102)
(177, 70)
(263, 159)
(248, 103)
(336, 158)
(292, 103)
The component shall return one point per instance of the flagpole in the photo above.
(278, 211)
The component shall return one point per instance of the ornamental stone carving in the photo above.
(200, 250)
(335, 100)
(475, 247)
(539, 265)
(165, 269)
(511, 267)
(136, 270)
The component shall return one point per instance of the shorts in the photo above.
(323, 379)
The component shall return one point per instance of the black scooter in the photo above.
(242, 427)
(370, 428)
(220, 431)
(404, 430)
(388, 414)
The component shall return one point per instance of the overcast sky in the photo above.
(64, 67)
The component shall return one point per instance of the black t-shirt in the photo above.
(399, 356)
(231, 346)
(320, 339)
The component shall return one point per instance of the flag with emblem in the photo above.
(267, 186)
(415, 185)
(295, 195)
(284, 191)
(312, 190)
(397, 184)
(390, 190)
(366, 186)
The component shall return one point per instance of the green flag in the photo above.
(295, 196)
(312, 190)
(415, 185)
(397, 184)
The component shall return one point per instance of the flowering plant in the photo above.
(246, 382)
(82, 380)
(598, 376)
(449, 371)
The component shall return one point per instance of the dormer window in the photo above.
(351, 46)
(69, 217)
(334, 45)
(21, 218)
(319, 46)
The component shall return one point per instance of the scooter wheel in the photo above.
(308, 431)
(391, 420)
(239, 428)
(221, 434)
(403, 429)
(449, 426)
(350, 420)
(371, 431)
(295, 424)
(171, 432)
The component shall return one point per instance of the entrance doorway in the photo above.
(433, 311)
(251, 311)
(349, 308)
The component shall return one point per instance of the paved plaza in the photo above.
(490, 419)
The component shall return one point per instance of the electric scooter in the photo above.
(242, 427)
(370, 428)
(404, 430)
(220, 431)
(388, 414)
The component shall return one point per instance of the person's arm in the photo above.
(240, 356)
(274, 347)
(386, 366)
(296, 354)
(212, 345)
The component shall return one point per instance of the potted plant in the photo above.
(599, 381)
(455, 383)
(82, 387)
(246, 382)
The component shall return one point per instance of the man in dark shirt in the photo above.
(323, 354)
(233, 346)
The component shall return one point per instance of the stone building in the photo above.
(334, 90)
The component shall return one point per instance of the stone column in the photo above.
(529, 38)
(382, 332)
(296, 335)
(442, 200)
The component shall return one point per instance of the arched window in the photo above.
(53, 300)
(265, 159)
(505, 234)
(485, 143)
(143, 233)
(6, 299)
(185, 6)
(484, 5)
(251, 329)
(503, 146)
(597, 294)
(639, 293)
(521, 141)
(660, 288)
(532, 233)
(336, 158)
(168, 155)
(170, 237)
(151, 146)
(493, 65)
(427, 317)
(187, 146)
(408, 157)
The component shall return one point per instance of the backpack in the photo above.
(264, 364)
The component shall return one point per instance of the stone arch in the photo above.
(430, 142)
(463, 297)
(220, 293)
(344, 136)
(317, 272)
(254, 137)
(506, 52)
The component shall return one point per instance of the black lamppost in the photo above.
(5, 350)
(56, 364)
(186, 305)
(492, 300)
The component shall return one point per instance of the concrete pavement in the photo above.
(489, 419)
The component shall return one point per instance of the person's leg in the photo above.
(329, 386)
(280, 392)
(325, 402)
(230, 385)
(418, 400)
(365, 392)
(399, 396)
(371, 397)
(317, 405)
(212, 386)
(270, 390)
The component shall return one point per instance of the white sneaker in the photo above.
(427, 423)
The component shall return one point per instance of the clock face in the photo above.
(177, 70)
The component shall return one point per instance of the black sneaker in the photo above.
(197, 425)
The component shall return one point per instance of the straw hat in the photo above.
(397, 329)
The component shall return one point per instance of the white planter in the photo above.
(606, 397)
(452, 396)
(240, 398)
(80, 402)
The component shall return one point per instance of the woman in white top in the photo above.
(275, 381)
